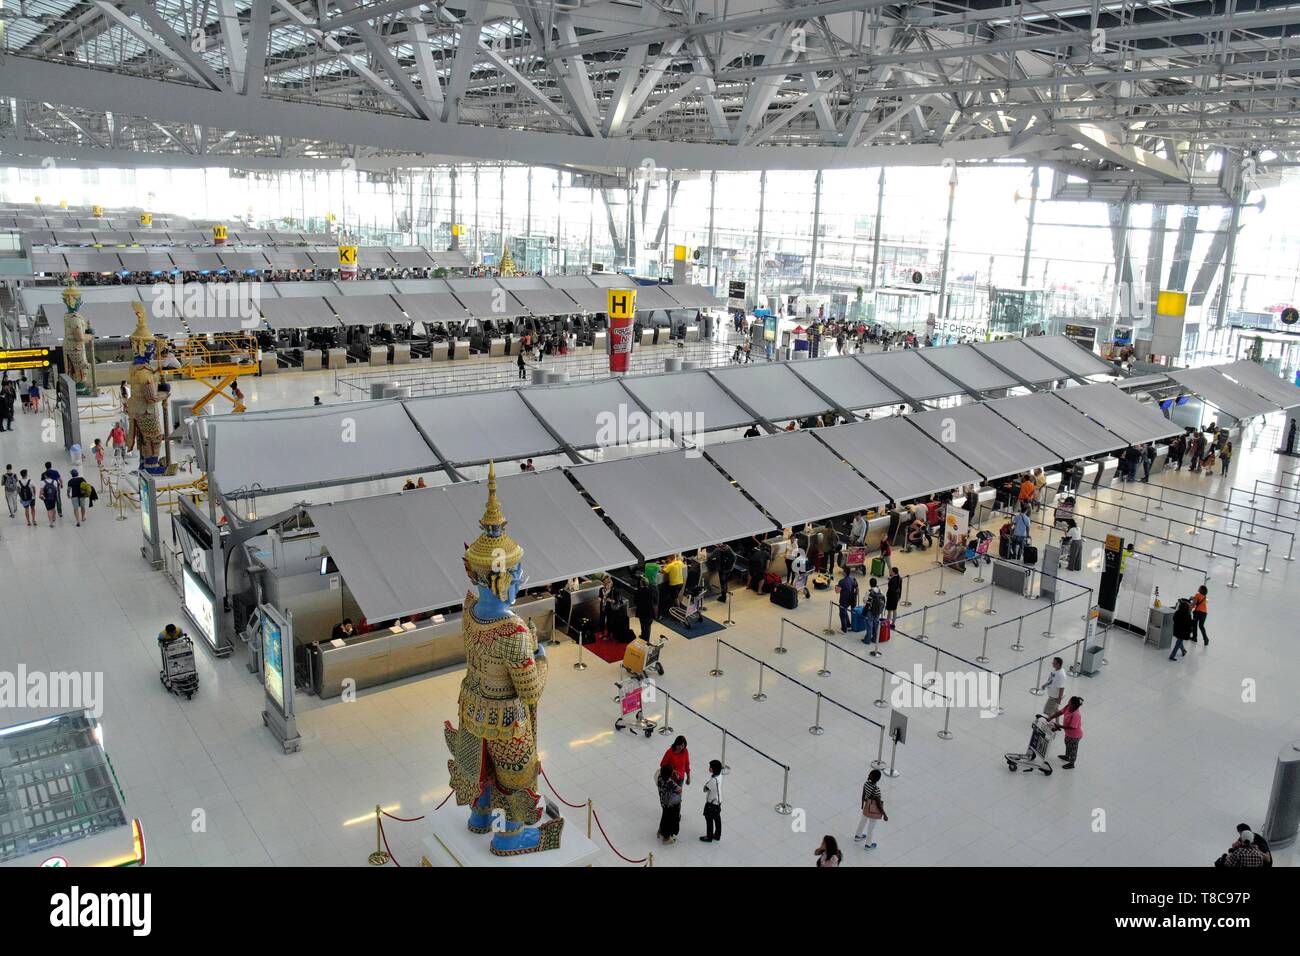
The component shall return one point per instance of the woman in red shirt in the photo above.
(679, 758)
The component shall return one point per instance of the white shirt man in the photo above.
(1054, 688)
(858, 531)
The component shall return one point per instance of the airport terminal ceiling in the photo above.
(1144, 93)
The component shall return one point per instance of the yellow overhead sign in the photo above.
(1171, 303)
(146, 219)
(347, 255)
(679, 253)
(621, 303)
(15, 359)
(97, 212)
(457, 229)
(219, 233)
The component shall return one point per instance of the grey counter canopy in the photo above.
(1222, 393)
(588, 416)
(1020, 360)
(693, 401)
(471, 429)
(966, 365)
(896, 458)
(1064, 430)
(1069, 355)
(772, 390)
(794, 477)
(401, 553)
(844, 381)
(262, 454)
(910, 374)
(669, 502)
(1119, 413)
(989, 444)
(1263, 383)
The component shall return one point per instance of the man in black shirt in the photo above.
(343, 631)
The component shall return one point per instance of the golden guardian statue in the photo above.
(494, 765)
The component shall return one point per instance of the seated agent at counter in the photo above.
(343, 630)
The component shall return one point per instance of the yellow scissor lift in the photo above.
(216, 364)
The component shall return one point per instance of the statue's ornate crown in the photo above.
(71, 295)
(141, 338)
(491, 560)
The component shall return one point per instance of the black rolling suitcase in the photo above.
(1030, 554)
(783, 595)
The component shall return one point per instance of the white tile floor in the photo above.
(1172, 755)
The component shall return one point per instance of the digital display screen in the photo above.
(200, 606)
(146, 510)
(273, 661)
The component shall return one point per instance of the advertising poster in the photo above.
(200, 606)
(273, 661)
(621, 309)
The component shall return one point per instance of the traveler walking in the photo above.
(11, 489)
(873, 811)
(1225, 456)
(1070, 720)
(670, 803)
(117, 438)
(1184, 628)
(50, 498)
(725, 561)
(79, 493)
(8, 396)
(828, 854)
(713, 804)
(523, 366)
(1200, 611)
(52, 474)
(847, 590)
(1054, 688)
(27, 497)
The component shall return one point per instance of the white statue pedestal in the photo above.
(451, 843)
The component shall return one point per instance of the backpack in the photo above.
(875, 603)
(26, 492)
(11, 482)
(49, 493)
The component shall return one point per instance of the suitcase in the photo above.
(933, 514)
(885, 629)
(1004, 547)
(635, 655)
(859, 619)
(783, 595)
(771, 580)
(877, 567)
(821, 582)
(1030, 554)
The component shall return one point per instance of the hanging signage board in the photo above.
(347, 255)
(15, 359)
(146, 219)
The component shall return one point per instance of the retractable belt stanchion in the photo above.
(907, 591)
(830, 618)
(816, 729)
(1020, 628)
(882, 701)
(826, 666)
(728, 622)
(666, 728)
(580, 664)
(878, 763)
(957, 622)
(717, 658)
(759, 695)
(1037, 689)
(726, 767)
(780, 641)
(984, 647)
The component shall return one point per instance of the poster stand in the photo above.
(275, 633)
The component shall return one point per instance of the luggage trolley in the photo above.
(1035, 758)
(638, 660)
(687, 616)
(178, 673)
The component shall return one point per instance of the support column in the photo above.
(758, 254)
(875, 238)
(478, 243)
(501, 217)
(528, 212)
(1119, 231)
(455, 239)
(1234, 223)
(817, 219)
(713, 190)
(559, 220)
(947, 246)
(1029, 229)
(591, 212)
(666, 243)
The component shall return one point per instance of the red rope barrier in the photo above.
(387, 848)
(572, 806)
(422, 816)
(601, 827)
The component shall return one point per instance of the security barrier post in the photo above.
(816, 729)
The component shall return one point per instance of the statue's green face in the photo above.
(72, 302)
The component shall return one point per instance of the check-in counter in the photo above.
(401, 353)
(692, 333)
(1109, 465)
(311, 360)
(496, 347)
(647, 336)
(405, 651)
(598, 341)
(337, 358)
(378, 354)
(439, 351)
(1161, 459)
(1091, 469)
(513, 345)
(582, 604)
(269, 362)
(461, 349)
(876, 527)
(1052, 486)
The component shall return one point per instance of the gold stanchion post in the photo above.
(379, 857)
(589, 818)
